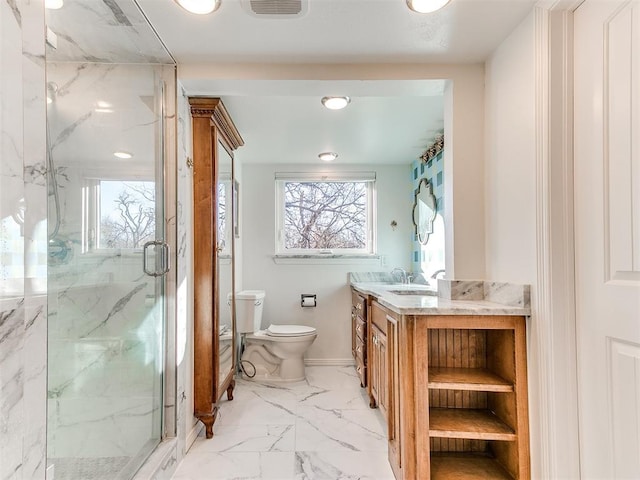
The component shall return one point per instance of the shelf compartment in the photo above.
(468, 424)
(466, 467)
(469, 379)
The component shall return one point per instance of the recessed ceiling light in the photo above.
(122, 154)
(426, 6)
(104, 110)
(53, 4)
(335, 103)
(327, 156)
(103, 104)
(200, 7)
(49, 99)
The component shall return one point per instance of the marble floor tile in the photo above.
(236, 465)
(248, 438)
(342, 466)
(321, 428)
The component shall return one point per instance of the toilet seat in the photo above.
(290, 330)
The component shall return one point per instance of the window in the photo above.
(119, 214)
(324, 214)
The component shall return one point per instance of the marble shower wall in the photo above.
(23, 240)
(187, 424)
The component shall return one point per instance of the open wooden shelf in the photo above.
(469, 424)
(473, 379)
(466, 467)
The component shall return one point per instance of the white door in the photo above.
(607, 216)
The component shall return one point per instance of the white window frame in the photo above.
(366, 177)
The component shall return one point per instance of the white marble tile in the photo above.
(332, 378)
(259, 407)
(508, 293)
(237, 465)
(97, 31)
(461, 289)
(100, 426)
(342, 465)
(358, 430)
(11, 388)
(322, 442)
(248, 438)
(350, 398)
(35, 387)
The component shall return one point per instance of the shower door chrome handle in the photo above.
(165, 263)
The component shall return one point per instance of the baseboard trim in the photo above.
(193, 434)
(162, 463)
(335, 362)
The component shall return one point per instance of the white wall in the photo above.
(510, 195)
(510, 176)
(464, 149)
(284, 283)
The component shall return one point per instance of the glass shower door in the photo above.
(107, 258)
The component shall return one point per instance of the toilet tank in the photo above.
(249, 310)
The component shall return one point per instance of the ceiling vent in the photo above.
(276, 8)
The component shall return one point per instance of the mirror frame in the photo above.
(424, 225)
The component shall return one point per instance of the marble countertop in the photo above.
(424, 300)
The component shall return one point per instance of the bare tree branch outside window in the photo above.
(128, 221)
(325, 215)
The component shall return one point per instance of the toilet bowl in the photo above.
(275, 354)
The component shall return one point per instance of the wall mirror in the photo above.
(225, 250)
(424, 211)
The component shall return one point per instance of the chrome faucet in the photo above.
(437, 272)
(403, 274)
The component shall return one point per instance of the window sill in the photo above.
(335, 259)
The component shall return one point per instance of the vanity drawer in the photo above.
(361, 369)
(361, 329)
(379, 318)
(361, 350)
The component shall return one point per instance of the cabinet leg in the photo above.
(208, 419)
(372, 402)
(230, 388)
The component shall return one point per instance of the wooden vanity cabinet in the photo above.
(359, 335)
(453, 389)
(378, 360)
(385, 376)
(470, 408)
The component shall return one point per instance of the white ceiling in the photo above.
(338, 31)
(388, 122)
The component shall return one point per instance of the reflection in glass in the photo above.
(106, 318)
(225, 262)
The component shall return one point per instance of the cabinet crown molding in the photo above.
(214, 109)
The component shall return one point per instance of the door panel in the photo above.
(607, 229)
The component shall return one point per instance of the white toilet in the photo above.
(275, 354)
